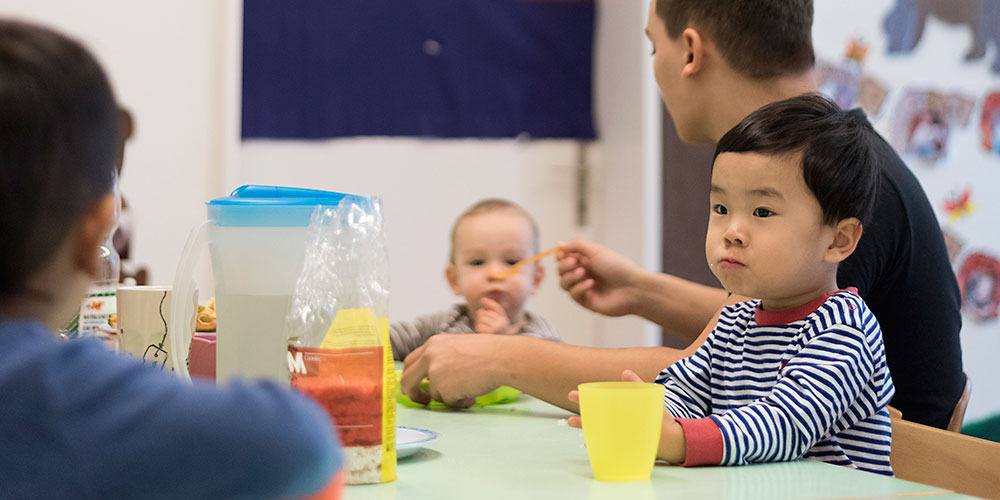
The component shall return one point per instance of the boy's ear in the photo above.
(694, 51)
(846, 235)
(91, 232)
(451, 274)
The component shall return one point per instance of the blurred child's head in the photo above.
(791, 186)
(57, 151)
(491, 236)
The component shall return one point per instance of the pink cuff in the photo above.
(703, 442)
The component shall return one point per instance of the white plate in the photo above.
(410, 439)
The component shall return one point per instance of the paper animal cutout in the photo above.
(846, 83)
(979, 281)
(904, 25)
(960, 205)
(923, 122)
(990, 123)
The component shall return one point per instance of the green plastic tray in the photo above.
(502, 395)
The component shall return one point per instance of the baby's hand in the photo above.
(491, 318)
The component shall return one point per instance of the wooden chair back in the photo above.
(958, 416)
(963, 464)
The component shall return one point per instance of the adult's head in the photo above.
(58, 126)
(717, 60)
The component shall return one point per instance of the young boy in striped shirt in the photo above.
(800, 371)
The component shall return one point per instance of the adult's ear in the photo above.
(451, 274)
(846, 235)
(91, 232)
(694, 52)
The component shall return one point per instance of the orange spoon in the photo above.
(512, 270)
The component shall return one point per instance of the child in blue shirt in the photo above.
(76, 420)
(799, 371)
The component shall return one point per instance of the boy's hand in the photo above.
(597, 277)
(491, 318)
(574, 396)
(672, 442)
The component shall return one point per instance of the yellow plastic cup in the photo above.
(621, 427)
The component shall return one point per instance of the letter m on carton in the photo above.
(296, 364)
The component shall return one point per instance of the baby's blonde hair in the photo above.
(493, 205)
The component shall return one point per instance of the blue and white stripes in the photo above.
(816, 388)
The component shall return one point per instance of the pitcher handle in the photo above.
(183, 300)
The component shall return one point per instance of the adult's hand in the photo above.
(458, 367)
(609, 283)
(598, 278)
(461, 367)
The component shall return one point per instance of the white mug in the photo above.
(143, 318)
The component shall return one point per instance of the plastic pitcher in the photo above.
(256, 239)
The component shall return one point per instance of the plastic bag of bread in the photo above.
(338, 334)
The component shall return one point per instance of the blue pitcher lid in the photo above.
(270, 206)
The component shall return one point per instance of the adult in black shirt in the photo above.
(901, 268)
(715, 62)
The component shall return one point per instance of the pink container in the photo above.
(201, 362)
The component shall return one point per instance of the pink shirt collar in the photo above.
(786, 316)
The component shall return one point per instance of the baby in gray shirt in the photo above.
(490, 236)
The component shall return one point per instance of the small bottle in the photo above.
(98, 310)
(100, 304)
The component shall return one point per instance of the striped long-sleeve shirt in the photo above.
(772, 386)
(407, 336)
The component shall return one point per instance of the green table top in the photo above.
(526, 450)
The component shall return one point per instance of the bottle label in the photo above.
(95, 313)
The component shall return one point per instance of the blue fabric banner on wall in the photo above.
(430, 68)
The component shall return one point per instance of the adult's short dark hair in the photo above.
(758, 38)
(57, 145)
(837, 149)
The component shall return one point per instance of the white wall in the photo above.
(176, 65)
(630, 167)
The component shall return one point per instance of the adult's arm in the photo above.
(608, 283)
(461, 367)
(679, 305)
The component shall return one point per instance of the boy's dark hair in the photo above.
(758, 38)
(492, 205)
(839, 163)
(57, 145)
